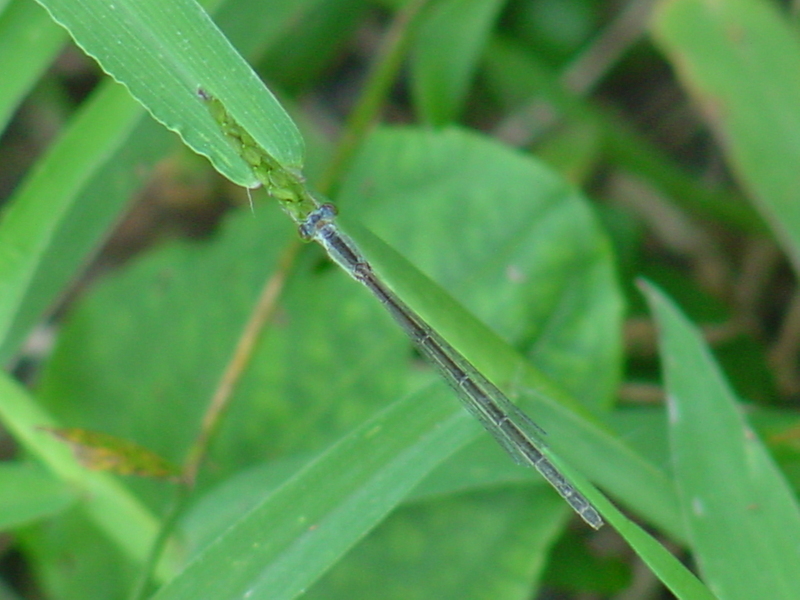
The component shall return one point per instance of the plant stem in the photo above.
(381, 76)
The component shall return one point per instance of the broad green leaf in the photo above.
(28, 42)
(28, 493)
(164, 52)
(506, 236)
(742, 517)
(450, 41)
(738, 59)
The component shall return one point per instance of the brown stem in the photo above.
(242, 354)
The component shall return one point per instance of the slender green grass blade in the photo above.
(472, 546)
(332, 503)
(672, 573)
(743, 519)
(502, 534)
(164, 52)
(449, 43)
(28, 42)
(66, 205)
(28, 493)
(739, 60)
(114, 510)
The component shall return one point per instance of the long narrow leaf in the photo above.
(743, 519)
(28, 493)
(112, 507)
(740, 59)
(164, 53)
(28, 41)
(65, 205)
(282, 546)
(450, 41)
